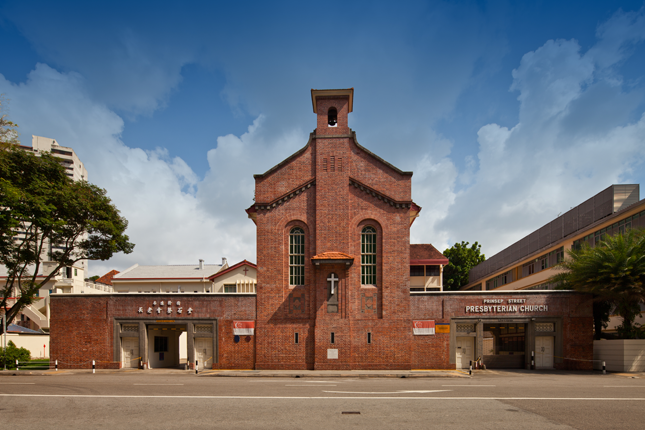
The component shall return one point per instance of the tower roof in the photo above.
(348, 92)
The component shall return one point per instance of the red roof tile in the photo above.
(332, 256)
(107, 278)
(424, 252)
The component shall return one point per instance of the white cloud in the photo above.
(173, 216)
(574, 139)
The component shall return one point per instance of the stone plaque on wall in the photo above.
(332, 354)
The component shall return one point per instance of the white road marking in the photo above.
(18, 383)
(386, 392)
(106, 396)
(464, 385)
(299, 385)
(304, 381)
(157, 384)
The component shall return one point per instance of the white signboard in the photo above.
(167, 307)
(505, 306)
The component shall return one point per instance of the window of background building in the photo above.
(230, 288)
(417, 271)
(559, 255)
(297, 256)
(433, 271)
(368, 256)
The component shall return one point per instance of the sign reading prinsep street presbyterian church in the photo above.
(505, 306)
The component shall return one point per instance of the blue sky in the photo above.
(507, 113)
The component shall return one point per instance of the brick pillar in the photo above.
(190, 344)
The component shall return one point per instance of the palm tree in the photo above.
(613, 271)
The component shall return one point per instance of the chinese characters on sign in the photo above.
(157, 308)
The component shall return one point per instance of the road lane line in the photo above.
(388, 392)
(157, 384)
(115, 396)
(301, 380)
(318, 386)
(18, 383)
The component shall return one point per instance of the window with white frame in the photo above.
(297, 256)
(368, 256)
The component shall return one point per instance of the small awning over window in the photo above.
(333, 258)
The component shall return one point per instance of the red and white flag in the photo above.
(421, 328)
(244, 328)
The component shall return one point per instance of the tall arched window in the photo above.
(297, 256)
(368, 256)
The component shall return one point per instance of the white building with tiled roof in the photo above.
(188, 278)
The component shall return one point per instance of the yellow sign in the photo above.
(442, 328)
(165, 320)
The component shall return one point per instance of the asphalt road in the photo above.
(142, 400)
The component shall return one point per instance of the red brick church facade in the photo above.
(333, 283)
(339, 199)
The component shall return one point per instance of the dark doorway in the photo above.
(504, 345)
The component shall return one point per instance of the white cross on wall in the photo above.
(332, 278)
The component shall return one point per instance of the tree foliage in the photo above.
(8, 132)
(613, 271)
(12, 354)
(462, 258)
(39, 206)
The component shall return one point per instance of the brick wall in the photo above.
(332, 188)
(82, 327)
(332, 213)
(573, 309)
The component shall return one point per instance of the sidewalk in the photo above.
(254, 373)
(337, 373)
(418, 373)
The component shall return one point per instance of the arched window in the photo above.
(368, 256)
(332, 117)
(297, 256)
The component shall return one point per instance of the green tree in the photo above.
(462, 258)
(613, 271)
(12, 354)
(8, 132)
(39, 206)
